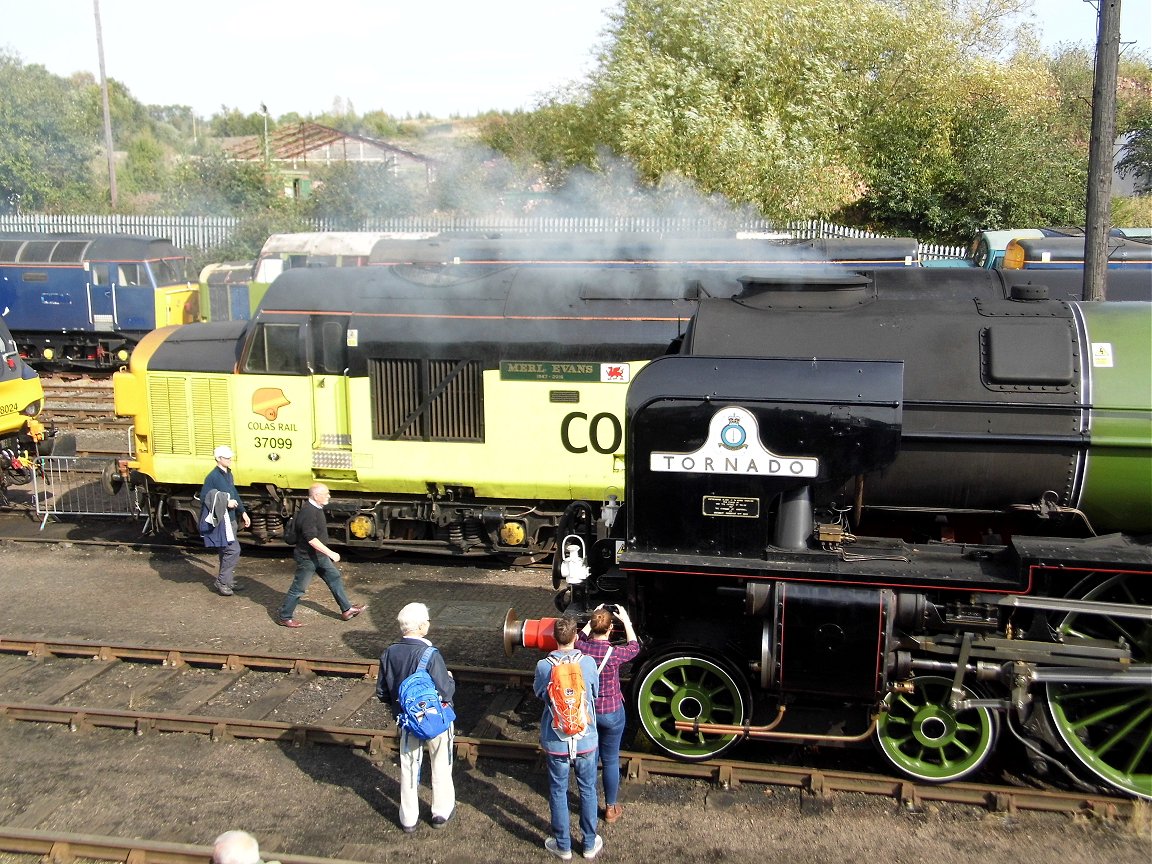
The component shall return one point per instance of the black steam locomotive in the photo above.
(918, 518)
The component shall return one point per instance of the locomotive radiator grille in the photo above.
(189, 417)
(211, 417)
(427, 400)
(168, 403)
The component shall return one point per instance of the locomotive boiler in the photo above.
(856, 513)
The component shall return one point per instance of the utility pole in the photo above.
(107, 111)
(264, 111)
(1101, 150)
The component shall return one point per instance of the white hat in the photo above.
(223, 452)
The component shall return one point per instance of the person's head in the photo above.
(236, 847)
(413, 619)
(319, 493)
(601, 622)
(223, 455)
(565, 631)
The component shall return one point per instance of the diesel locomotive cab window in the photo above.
(274, 348)
(427, 400)
(99, 274)
(130, 275)
(332, 353)
(168, 271)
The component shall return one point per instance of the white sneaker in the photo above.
(562, 854)
(596, 847)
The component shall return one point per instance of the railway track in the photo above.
(61, 847)
(328, 701)
(77, 402)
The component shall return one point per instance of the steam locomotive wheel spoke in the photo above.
(927, 740)
(689, 688)
(1108, 728)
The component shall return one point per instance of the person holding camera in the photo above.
(610, 717)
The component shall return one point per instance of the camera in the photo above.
(612, 607)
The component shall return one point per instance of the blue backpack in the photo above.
(421, 712)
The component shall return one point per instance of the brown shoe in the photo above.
(352, 611)
(289, 622)
(612, 813)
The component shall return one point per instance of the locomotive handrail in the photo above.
(1060, 604)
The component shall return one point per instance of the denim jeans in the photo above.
(558, 770)
(308, 564)
(610, 727)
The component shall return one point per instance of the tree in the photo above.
(231, 123)
(1137, 151)
(214, 185)
(346, 194)
(982, 157)
(896, 113)
(49, 140)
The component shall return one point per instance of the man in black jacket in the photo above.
(313, 556)
(399, 660)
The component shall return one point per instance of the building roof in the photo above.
(313, 142)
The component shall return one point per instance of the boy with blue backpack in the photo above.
(415, 681)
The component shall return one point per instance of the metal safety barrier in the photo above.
(81, 486)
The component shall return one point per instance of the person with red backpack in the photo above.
(568, 682)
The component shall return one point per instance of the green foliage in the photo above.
(928, 117)
(925, 117)
(984, 159)
(49, 139)
(565, 131)
(1137, 149)
(254, 227)
(214, 185)
(232, 123)
(144, 169)
(347, 193)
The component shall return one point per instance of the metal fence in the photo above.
(201, 232)
(76, 486)
(208, 232)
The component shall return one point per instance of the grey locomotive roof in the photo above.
(72, 248)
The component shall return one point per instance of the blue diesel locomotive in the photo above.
(84, 300)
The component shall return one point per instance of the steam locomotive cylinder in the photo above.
(824, 639)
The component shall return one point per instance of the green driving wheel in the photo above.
(927, 740)
(1108, 727)
(688, 688)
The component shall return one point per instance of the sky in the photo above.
(440, 58)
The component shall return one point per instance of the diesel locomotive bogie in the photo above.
(445, 521)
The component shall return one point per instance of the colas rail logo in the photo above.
(267, 402)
